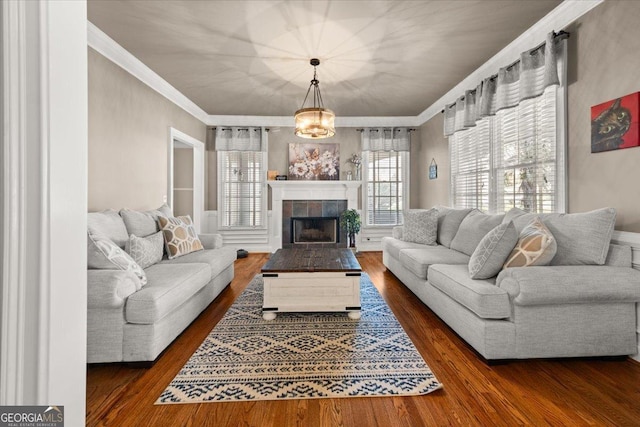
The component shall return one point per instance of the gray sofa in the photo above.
(129, 321)
(582, 304)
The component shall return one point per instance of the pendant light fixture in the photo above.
(315, 122)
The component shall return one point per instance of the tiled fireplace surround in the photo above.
(308, 199)
(311, 208)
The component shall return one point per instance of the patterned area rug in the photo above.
(302, 355)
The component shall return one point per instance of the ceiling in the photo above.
(378, 58)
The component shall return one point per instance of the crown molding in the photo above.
(559, 18)
(105, 45)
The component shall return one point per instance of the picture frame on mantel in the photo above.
(314, 161)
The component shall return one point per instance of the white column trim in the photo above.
(14, 136)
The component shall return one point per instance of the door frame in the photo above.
(198, 173)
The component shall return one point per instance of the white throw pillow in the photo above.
(146, 251)
(103, 254)
(420, 226)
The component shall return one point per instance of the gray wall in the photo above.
(603, 65)
(128, 138)
(604, 61)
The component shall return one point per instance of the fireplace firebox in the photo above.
(310, 230)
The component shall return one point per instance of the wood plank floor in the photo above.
(534, 392)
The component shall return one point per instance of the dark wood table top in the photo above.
(311, 261)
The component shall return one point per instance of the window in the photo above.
(512, 159)
(386, 173)
(242, 186)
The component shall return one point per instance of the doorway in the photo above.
(185, 192)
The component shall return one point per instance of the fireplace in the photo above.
(314, 230)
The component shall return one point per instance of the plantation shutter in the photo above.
(385, 188)
(243, 173)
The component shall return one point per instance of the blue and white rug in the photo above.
(302, 355)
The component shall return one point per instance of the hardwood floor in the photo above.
(532, 392)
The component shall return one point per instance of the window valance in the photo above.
(527, 78)
(229, 138)
(386, 139)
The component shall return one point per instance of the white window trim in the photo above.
(406, 191)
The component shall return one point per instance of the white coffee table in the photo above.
(310, 280)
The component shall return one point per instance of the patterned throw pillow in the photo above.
(180, 236)
(146, 251)
(490, 254)
(420, 226)
(104, 254)
(536, 246)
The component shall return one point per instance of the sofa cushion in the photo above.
(179, 235)
(448, 223)
(472, 229)
(536, 246)
(619, 256)
(393, 246)
(104, 254)
(109, 224)
(420, 226)
(168, 287)
(146, 251)
(492, 251)
(141, 224)
(582, 238)
(418, 260)
(217, 259)
(482, 297)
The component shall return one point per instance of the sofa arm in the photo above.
(570, 284)
(110, 288)
(397, 232)
(211, 241)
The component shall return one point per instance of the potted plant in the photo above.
(350, 223)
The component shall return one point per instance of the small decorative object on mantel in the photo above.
(350, 223)
(433, 169)
(615, 125)
(314, 161)
(271, 175)
(281, 177)
(356, 161)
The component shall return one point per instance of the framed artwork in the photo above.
(433, 169)
(313, 161)
(614, 124)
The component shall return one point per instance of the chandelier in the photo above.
(315, 122)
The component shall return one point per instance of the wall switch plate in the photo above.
(164, 198)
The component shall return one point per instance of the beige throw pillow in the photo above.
(536, 246)
(180, 236)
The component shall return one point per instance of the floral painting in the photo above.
(314, 161)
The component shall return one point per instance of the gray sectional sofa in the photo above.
(581, 304)
(132, 321)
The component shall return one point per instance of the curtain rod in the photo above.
(560, 35)
(258, 128)
(362, 129)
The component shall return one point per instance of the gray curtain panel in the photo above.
(386, 139)
(241, 138)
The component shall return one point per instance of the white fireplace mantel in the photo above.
(307, 190)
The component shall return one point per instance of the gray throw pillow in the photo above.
(146, 251)
(420, 226)
(492, 251)
(139, 223)
(449, 221)
(472, 229)
(104, 254)
(109, 224)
